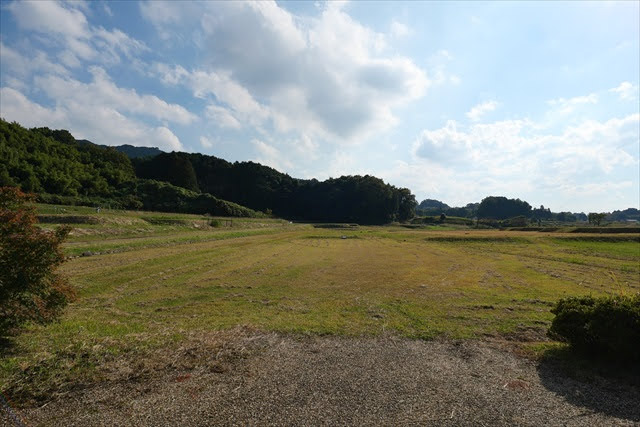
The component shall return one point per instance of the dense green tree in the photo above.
(596, 218)
(175, 168)
(63, 170)
(498, 207)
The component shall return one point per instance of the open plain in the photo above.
(261, 321)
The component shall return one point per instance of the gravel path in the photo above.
(288, 380)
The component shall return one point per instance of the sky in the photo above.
(453, 100)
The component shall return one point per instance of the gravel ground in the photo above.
(284, 380)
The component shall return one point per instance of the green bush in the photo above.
(30, 288)
(605, 327)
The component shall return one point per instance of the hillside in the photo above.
(61, 169)
(129, 150)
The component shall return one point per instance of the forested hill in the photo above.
(361, 199)
(131, 151)
(63, 170)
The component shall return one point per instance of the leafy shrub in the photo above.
(215, 223)
(30, 290)
(607, 327)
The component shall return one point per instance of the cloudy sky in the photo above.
(453, 100)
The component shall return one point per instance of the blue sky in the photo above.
(454, 100)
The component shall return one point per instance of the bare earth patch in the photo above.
(255, 378)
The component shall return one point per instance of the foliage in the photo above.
(517, 221)
(630, 214)
(45, 161)
(174, 168)
(360, 199)
(596, 218)
(606, 327)
(30, 290)
(55, 165)
(164, 197)
(502, 208)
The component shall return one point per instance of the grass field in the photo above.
(154, 281)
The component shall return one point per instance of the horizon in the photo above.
(457, 102)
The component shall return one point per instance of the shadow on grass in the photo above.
(604, 387)
(7, 346)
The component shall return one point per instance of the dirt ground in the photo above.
(287, 380)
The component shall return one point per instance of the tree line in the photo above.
(60, 169)
(502, 208)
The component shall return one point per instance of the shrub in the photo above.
(607, 327)
(30, 290)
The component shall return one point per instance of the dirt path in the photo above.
(339, 381)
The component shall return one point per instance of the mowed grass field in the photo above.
(151, 285)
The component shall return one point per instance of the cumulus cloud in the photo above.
(270, 155)
(326, 76)
(65, 25)
(102, 92)
(518, 146)
(626, 90)
(476, 113)
(516, 157)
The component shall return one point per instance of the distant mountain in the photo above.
(131, 151)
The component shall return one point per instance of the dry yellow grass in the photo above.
(367, 281)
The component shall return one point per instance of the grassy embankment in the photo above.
(161, 280)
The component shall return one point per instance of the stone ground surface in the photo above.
(286, 380)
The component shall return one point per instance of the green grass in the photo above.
(169, 282)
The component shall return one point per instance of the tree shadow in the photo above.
(8, 346)
(604, 387)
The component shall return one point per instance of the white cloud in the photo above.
(222, 117)
(65, 25)
(399, 30)
(517, 157)
(206, 142)
(24, 66)
(270, 155)
(50, 17)
(476, 113)
(17, 107)
(107, 9)
(102, 92)
(98, 122)
(437, 68)
(326, 76)
(566, 106)
(626, 90)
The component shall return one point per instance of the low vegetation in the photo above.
(605, 327)
(149, 282)
(30, 288)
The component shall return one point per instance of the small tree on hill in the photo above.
(30, 289)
